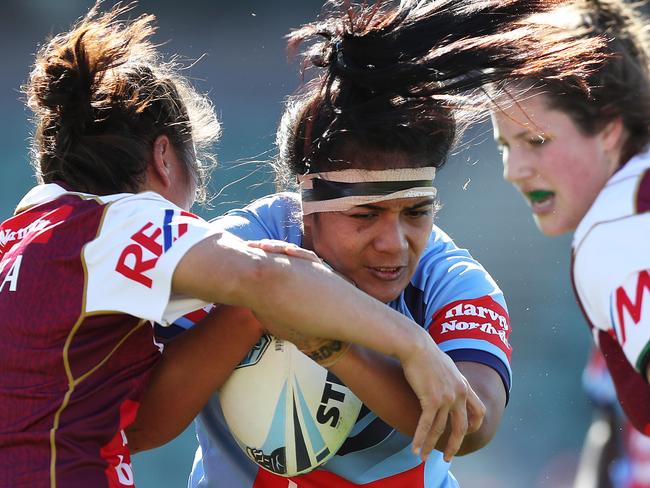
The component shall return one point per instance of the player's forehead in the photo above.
(398, 204)
(358, 156)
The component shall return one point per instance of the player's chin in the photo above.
(388, 292)
(552, 225)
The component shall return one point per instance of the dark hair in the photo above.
(101, 96)
(620, 87)
(395, 77)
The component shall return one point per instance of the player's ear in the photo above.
(613, 137)
(160, 168)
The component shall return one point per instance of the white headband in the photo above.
(339, 191)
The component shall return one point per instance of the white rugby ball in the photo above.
(287, 413)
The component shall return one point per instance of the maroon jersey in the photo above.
(81, 279)
(611, 275)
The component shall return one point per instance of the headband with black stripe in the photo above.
(338, 191)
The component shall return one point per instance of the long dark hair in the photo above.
(394, 77)
(101, 96)
(620, 87)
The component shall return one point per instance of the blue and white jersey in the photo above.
(450, 295)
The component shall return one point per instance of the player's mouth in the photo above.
(541, 201)
(387, 273)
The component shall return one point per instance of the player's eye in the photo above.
(537, 139)
(420, 212)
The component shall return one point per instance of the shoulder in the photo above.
(609, 248)
(626, 194)
(451, 273)
(275, 216)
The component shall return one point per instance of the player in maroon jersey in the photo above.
(579, 155)
(104, 245)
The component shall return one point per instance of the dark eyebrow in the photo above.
(423, 203)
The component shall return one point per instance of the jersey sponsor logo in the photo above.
(478, 318)
(148, 244)
(627, 307)
(8, 236)
(119, 471)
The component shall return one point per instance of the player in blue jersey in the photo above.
(364, 139)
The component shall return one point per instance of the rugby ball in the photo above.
(287, 413)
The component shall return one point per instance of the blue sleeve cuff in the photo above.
(484, 357)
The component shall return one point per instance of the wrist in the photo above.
(410, 342)
(326, 352)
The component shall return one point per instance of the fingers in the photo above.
(286, 248)
(475, 411)
(423, 429)
(458, 429)
(437, 430)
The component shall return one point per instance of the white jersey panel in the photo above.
(611, 261)
(131, 262)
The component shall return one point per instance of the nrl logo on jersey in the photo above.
(9, 235)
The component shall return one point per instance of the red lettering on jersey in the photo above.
(135, 252)
(132, 262)
(633, 308)
(140, 265)
(149, 241)
(476, 318)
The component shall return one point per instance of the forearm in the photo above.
(379, 382)
(192, 367)
(487, 384)
(286, 292)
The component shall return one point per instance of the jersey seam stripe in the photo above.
(81, 196)
(72, 383)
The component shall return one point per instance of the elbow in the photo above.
(477, 440)
(482, 437)
(256, 284)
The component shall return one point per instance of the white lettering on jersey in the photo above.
(124, 472)
(292, 484)
(486, 327)
(12, 275)
(465, 309)
(8, 235)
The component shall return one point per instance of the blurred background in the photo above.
(242, 64)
